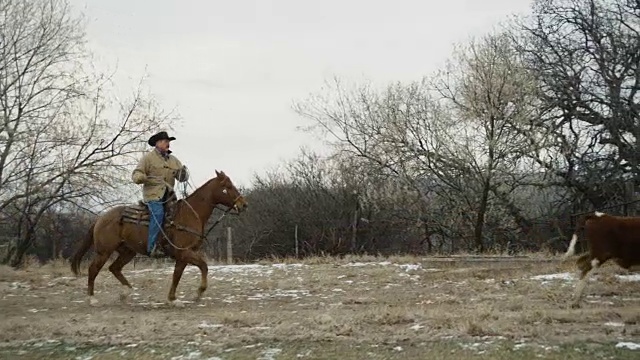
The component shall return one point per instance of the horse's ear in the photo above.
(217, 173)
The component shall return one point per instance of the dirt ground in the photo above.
(352, 308)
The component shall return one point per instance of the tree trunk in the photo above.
(21, 248)
(479, 227)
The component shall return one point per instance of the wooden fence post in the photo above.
(296, 238)
(630, 192)
(219, 247)
(229, 249)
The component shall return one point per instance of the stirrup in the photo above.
(157, 252)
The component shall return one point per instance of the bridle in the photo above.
(197, 233)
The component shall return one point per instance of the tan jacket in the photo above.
(155, 171)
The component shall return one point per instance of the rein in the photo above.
(194, 232)
(190, 230)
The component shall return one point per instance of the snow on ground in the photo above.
(567, 276)
(244, 269)
(243, 274)
(561, 276)
(628, 345)
(406, 267)
(266, 270)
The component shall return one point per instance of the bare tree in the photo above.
(65, 138)
(586, 56)
(492, 95)
(84, 163)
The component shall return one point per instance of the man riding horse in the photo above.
(157, 171)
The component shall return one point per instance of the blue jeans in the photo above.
(156, 210)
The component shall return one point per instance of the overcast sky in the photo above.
(233, 68)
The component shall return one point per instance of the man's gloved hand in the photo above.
(181, 174)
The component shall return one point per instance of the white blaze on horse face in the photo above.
(599, 214)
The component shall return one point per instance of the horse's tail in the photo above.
(580, 224)
(84, 247)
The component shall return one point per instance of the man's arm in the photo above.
(182, 174)
(139, 175)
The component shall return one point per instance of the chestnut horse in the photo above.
(110, 233)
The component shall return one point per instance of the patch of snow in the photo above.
(628, 345)
(154, 304)
(473, 346)
(631, 277)
(269, 354)
(560, 276)
(614, 324)
(19, 285)
(600, 302)
(192, 355)
(295, 294)
(550, 348)
(206, 325)
(358, 264)
(416, 327)
(409, 267)
(398, 348)
(285, 266)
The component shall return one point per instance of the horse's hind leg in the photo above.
(95, 267)
(125, 255)
(587, 266)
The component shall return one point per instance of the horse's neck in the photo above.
(202, 201)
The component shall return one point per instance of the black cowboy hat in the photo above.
(162, 135)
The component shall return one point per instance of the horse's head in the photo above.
(228, 194)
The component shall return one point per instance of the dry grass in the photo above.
(354, 307)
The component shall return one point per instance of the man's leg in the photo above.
(156, 218)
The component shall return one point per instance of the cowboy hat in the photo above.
(162, 135)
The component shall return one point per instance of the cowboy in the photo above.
(157, 172)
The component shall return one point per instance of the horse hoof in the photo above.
(124, 295)
(93, 301)
(177, 303)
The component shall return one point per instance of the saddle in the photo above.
(139, 213)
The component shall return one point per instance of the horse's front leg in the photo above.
(197, 259)
(177, 275)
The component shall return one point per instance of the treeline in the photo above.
(521, 129)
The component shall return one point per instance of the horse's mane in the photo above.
(200, 188)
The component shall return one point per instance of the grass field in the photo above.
(322, 308)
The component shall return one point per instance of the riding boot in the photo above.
(157, 251)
